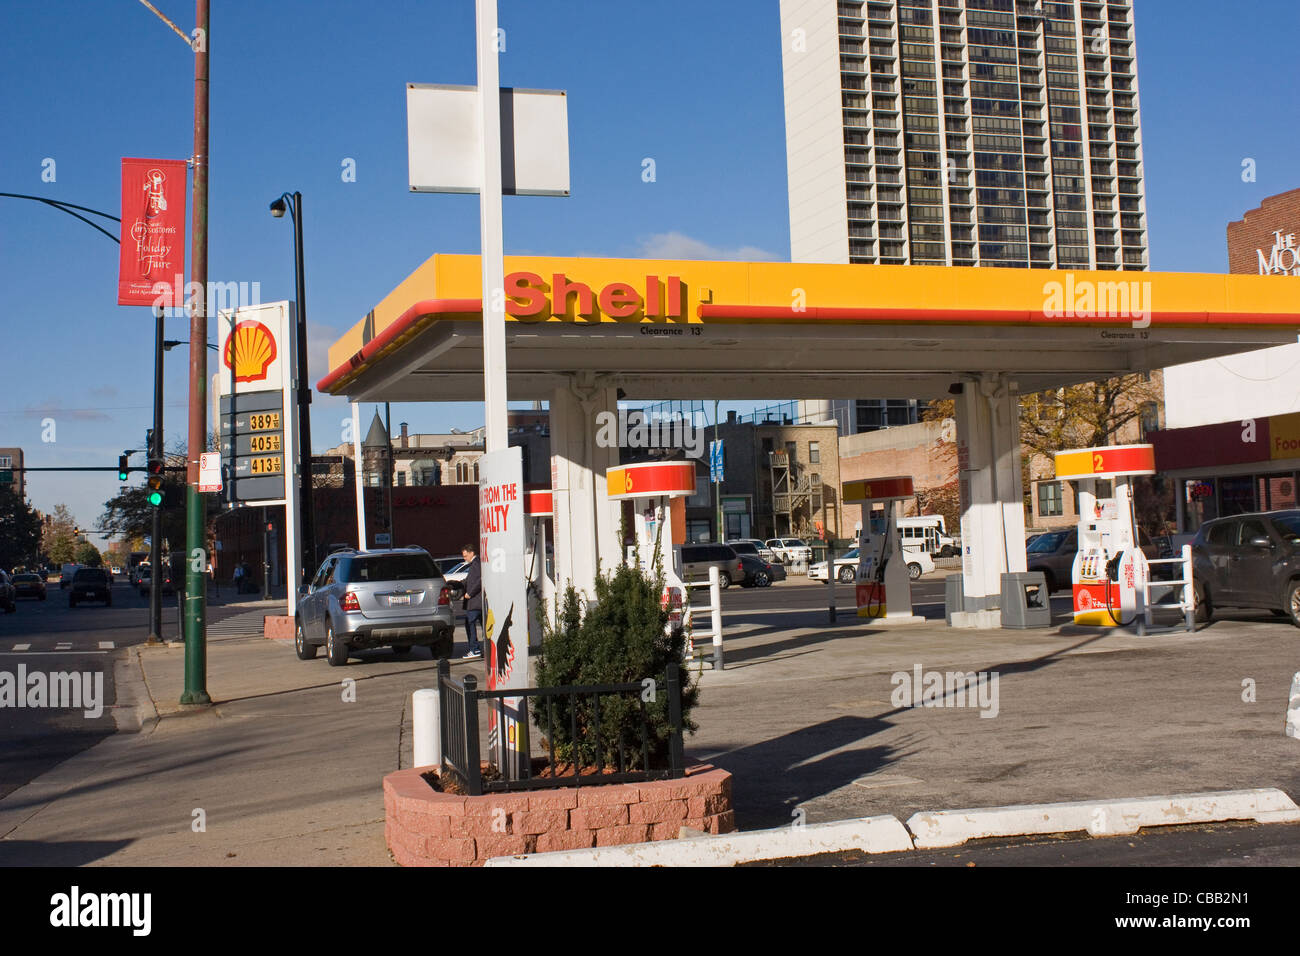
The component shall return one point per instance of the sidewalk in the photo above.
(288, 773)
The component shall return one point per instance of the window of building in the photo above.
(6, 461)
(1050, 504)
(814, 452)
(401, 479)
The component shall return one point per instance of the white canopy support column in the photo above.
(358, 471)
(586, 522)
(992, 495)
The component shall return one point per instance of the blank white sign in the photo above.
(442, 140)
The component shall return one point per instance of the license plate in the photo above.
(402, 599)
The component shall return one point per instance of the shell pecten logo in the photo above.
(249, 351)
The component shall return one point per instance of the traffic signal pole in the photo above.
(195, 609)
(155, 451)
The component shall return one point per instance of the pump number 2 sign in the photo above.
(1107, 461)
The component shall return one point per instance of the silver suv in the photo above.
(365, 599)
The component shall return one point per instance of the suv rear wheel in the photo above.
(336, 649)
(304, 650)
(1293, 602)
(724, 580)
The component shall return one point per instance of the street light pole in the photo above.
(306, 506)
(155, 451)
(195, 617)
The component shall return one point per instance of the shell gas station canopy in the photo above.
(667, 329)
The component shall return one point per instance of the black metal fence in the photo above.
(459, 702)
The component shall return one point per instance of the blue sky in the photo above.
(299, 87)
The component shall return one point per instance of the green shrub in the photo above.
(620, 639)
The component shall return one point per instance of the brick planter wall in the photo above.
(426, 828)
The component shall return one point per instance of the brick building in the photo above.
(1263, 241)
(927, 451)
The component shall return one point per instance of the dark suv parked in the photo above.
(1250, 560)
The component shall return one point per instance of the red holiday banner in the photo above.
(151, 265)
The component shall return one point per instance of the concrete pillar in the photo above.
(993, 517)
(586, 522)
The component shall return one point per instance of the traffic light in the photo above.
(155, 482)
(148, 442)
(123, 469)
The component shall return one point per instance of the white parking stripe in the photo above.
(106, 645)
(63, 646)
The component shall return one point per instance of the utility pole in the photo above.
(196, 652)
(155, 450)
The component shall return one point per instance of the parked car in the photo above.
(753, 546)
(388, 598)
(846, 566)
(90, 584)
(760, 573)
(65, 578)
(698, 558)
(1251, 561)
(446, 564)
(1053, 553)
(754, 549)
(790, 550)
(28, 584)
(7, 594)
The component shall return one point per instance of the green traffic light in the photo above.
(155, 498)
(121, 476)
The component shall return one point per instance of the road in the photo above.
(50, 637)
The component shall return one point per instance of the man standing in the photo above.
(472, 602)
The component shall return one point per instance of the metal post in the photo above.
(196, 660)
(715, 615)
(306, 508)
(830, 573)
(266, 557)
(473, 772)
(156, 451)
(676, 756)
(717, 482)
(490, 229)
(388, 474)
(358, 472)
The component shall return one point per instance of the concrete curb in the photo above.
(943, 828)
(134, 706)
(870, 834)
(1101, 817)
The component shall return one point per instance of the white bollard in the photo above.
(1293, 709)
(425, 718)
(715, 599)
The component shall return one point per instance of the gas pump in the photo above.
(884, 590)
(538, 507)
(651, 486)
(1110, 571)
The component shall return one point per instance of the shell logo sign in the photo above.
(249, 351)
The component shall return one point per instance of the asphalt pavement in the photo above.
(286, 767)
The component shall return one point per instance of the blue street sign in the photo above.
(715, 460)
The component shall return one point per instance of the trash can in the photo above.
(954, 597)
(1025, 601)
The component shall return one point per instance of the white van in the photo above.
(927, 533)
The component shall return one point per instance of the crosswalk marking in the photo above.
(106, 645)
(63, 646)
(21, 647)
